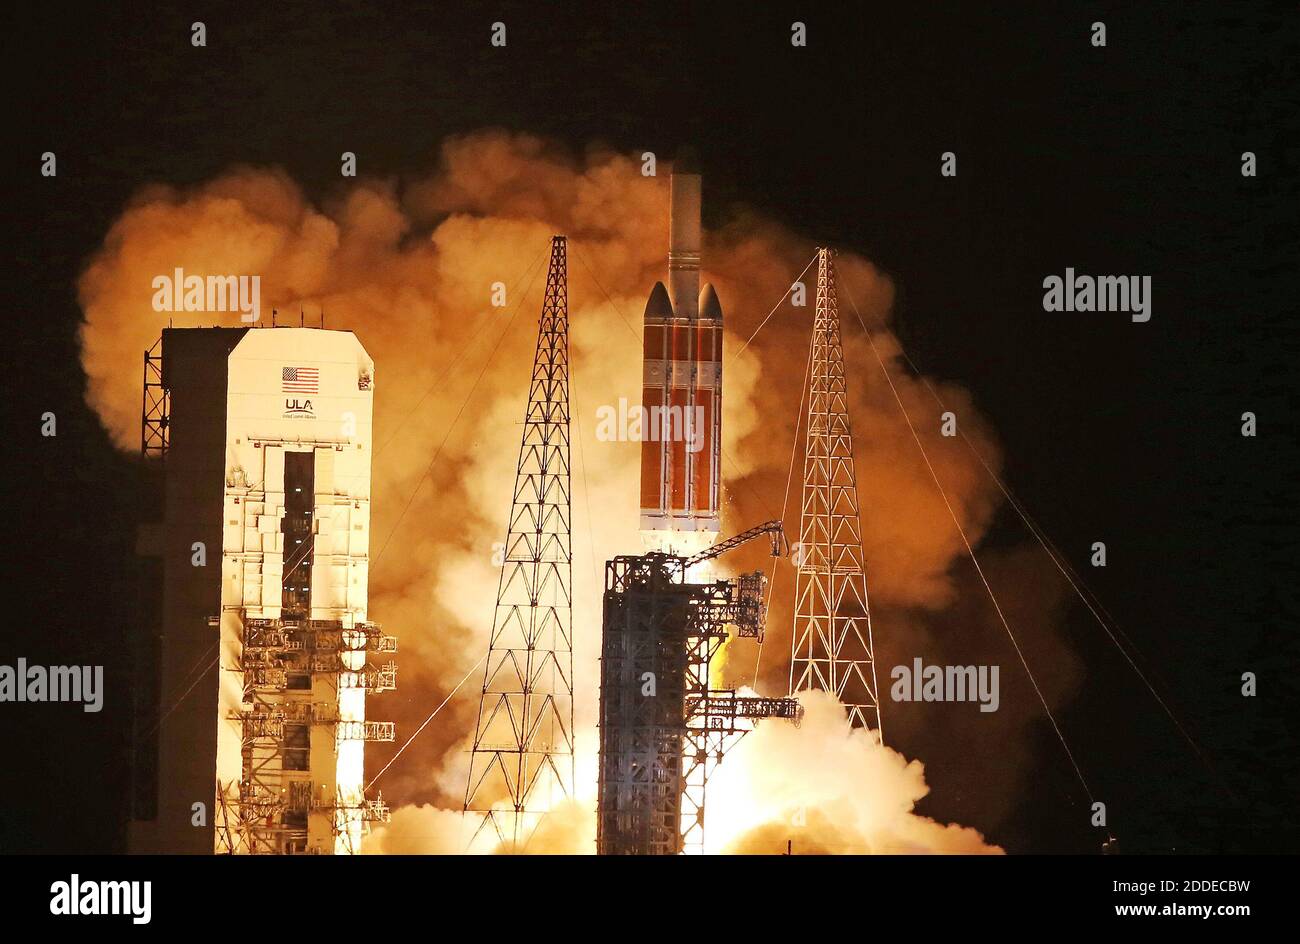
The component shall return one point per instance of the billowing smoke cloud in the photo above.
(410, 267)
(824, 788)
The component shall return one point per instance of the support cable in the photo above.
(970, 550)
(785, 500)
(184, 695)
(777, 305)
(433, 714)
(468, 396)
(1089, 598)
(463, 350)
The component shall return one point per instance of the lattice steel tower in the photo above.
(831, 646)
(522, 759)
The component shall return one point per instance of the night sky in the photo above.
(1117, 160)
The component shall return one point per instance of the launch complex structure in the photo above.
(262, 443)
(664, 727)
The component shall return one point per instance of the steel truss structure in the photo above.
(522, 761)
(266, 811)
(663, 729)
(831, 648)
(155, 412)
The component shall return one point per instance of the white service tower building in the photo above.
(286, 414)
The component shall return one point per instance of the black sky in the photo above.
(1122, 160)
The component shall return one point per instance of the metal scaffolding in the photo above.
(266, 811)
(156, 410)
(663, 728)
(522, 761)
(831, 647)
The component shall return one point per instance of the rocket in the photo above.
(681, 439)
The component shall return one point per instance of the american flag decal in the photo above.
(300, 380)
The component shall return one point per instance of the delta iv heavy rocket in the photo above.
(681, 446)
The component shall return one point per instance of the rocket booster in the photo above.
(682, 388)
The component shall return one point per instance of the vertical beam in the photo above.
(156, 407)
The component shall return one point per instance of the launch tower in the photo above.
(256, 724)
(831, 647)
(663, 727)
(522, 760)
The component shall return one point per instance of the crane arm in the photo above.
(774, 528)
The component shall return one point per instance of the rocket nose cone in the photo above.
(658, 306)
(710, 307)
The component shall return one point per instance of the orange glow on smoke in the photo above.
(410, 268)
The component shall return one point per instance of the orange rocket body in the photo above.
(682, 387)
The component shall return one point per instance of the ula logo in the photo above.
(181, 292)
(304, 381)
